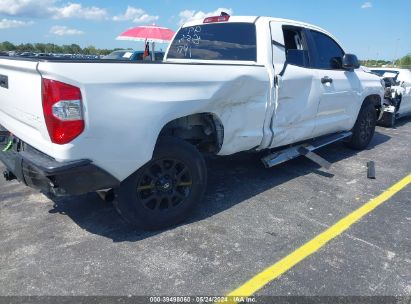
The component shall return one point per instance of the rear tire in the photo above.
(364, 127)
(163, 192)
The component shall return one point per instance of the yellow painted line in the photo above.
(274, 271)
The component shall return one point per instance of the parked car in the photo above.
(132, 55)
(27, 54)
(397, 97)
(227, 84)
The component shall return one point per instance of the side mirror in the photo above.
(350, 62)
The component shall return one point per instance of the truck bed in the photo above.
(61, 60)
(126, 106)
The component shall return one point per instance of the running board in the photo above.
(305, 149)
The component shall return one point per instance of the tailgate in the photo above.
(21, 109)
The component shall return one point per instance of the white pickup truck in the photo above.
(227, 84)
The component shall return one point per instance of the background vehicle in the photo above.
(228, 84)
(397, 97)
(132, 55)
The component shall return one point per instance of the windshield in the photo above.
(382, 73)
(219, 41)
(119, 55)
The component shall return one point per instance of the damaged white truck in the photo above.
(227, 84)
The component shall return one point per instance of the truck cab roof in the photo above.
(255, 19)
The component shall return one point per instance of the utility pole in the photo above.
(396, 51)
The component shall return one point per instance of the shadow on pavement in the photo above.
(232, 179)
(402, 121)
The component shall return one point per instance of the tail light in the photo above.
(216, 19)
(222, 18)
(63, 113)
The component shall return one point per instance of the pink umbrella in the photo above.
(148, 33)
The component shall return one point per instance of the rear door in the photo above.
(299, 92)
(340, 89)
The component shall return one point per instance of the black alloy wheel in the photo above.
(164, 185)
(163, 192)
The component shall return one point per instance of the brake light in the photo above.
(63, 113)
(216, 19)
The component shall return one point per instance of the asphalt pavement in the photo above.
(251, 218)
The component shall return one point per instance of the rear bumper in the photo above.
(39, 171)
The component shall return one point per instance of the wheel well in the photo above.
(203, 130)
(375, 100)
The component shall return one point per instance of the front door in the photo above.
(298, 92)
(340, 89)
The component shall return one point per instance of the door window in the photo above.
(328, 54)
(295, 47)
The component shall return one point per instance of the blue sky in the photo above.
(371, 29)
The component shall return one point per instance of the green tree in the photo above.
(25, 47)
(75, 49)
(405, 61)
(53, 48)
(7, 46)
(40, 47)
(90, 50)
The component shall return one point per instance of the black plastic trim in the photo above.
(49, 165)
(276, 43)
(42, 172)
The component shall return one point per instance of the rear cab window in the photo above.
(234, 41)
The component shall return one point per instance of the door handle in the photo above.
(326, 79)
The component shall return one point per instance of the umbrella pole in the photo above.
(153, 55)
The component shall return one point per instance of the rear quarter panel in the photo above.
(127, 105)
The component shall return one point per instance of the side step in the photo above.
(305, 149)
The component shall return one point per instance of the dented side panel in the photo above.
(296, 108)
(127, 107)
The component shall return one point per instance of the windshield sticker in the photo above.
(188, 40)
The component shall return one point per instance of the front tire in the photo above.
(163, 192)
(388, 119)
(364, 127)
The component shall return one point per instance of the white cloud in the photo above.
(75, 10)
(366, 5)
(8, 23)
(64, 31)
(136, 15)
(50, 9)
(26, 8)
(188, 15)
